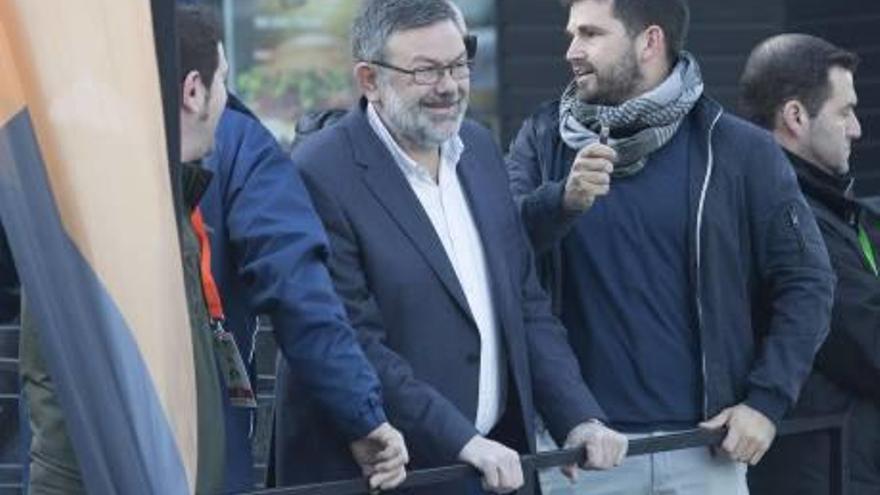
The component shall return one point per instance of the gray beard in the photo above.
(416, 128)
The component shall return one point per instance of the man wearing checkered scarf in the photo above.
(679, 251)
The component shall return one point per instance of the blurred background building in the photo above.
(289, 57)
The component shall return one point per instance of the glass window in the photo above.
(290, 57)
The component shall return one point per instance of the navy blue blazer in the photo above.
(410, 313)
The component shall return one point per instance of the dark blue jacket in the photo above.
(269, 252)
(758, 269)
(412, 318)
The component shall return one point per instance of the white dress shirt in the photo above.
(446, 205)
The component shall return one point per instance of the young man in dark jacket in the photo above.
(682, 257)
(801, 88)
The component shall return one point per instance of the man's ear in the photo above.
(192, 98)
(651, 43)
(366, 75)
(794, 119)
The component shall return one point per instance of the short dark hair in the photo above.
(379, 19)
(672, 16)
(789, 67)
(198, 34)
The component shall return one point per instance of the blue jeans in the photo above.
(682, 472)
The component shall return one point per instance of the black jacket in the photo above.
(759, 271)
(846, 376)
(851, 354)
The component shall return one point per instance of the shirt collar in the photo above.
(450, 151)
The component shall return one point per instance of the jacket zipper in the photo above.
(710, 164)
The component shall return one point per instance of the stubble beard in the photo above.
(616, 85)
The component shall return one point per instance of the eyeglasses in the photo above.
(429, 76)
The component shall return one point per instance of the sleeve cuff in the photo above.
(560, 427)
(552, 195)
(768, 403)
(370, 417)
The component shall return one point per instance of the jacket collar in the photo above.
(705, 112)
(195, 179)
(834, 192)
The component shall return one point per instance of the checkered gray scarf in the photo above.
(639, 126)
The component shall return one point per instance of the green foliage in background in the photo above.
(303, 90)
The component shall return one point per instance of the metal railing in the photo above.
(832, 425)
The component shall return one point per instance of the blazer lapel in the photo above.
(389, 186)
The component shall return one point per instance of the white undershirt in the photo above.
(446, 205)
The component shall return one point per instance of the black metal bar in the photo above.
(807, 424)
(836, 476)
(417, 479)
(648, 445)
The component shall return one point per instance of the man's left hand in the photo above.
(605, 447)
(749, 433)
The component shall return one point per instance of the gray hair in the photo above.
(380, 19)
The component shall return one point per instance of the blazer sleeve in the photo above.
(434, 428)
(280, 251)
(538, 198)
(795, 277)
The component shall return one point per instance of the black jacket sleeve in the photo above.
(851, 354)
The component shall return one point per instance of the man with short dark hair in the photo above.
(682, 257)
(800, 87)
(429, 256)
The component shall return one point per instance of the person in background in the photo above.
(801, 88)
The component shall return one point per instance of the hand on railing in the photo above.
(499, 465)
(605, 448)
(749, 433)
(382, 456)
(703, 437)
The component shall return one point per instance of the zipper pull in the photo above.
(793, 218)
(795, 224)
